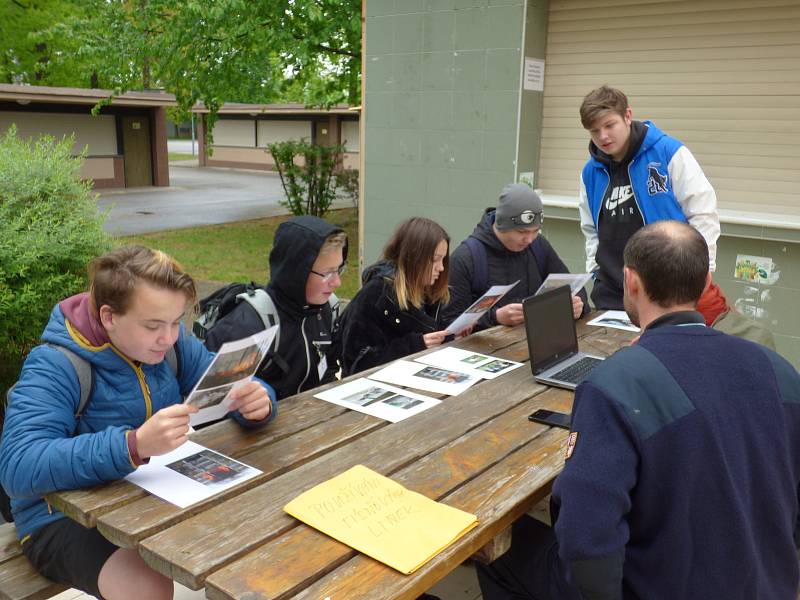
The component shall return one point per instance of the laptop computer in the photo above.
(553, 341)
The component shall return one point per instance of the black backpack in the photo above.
(85, 373)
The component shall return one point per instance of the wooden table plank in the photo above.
(149, 515)
(19, 580)
(294, 415)
(498, 497)
(273, 571)
(192, 549)
(9, 542)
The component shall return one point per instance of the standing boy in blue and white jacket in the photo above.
(636, 175)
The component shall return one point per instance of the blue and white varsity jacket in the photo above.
(667, 184)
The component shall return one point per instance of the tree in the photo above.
(217, 51)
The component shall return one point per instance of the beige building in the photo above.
(126, 143)
(242, 132)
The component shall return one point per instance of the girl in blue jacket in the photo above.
(123, 327)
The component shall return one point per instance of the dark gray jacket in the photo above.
(504, 267)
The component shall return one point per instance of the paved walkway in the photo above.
(196, 196)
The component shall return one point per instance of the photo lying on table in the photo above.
(468, 362)
(616, 319)
(377, 399)
(189, 474)
(426, 377)
(234, 364)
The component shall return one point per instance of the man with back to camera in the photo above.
(636, 174)
(510, 247)
(682, 469)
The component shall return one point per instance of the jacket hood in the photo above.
(73, 325)
(296, 246)
(644, 135)
(383, 268)
(485, 233)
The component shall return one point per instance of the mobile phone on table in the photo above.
(551, 417)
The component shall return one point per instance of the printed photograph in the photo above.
(474, 359)
(441, 375)
(495, 366)
(205, 398)
(610, 322)
(483, 304)
(231, 367)
(209, 468)
(403, 402)
(368, 396)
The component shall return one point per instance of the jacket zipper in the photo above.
(148, 403)
(633, 191)
(308, 358)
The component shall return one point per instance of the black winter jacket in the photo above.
(306, 330)
(375, 330)
(504, 267)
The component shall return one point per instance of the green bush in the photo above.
(50, 228)
(306, 172)
(347, 182)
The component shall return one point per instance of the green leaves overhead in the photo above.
(216, 51)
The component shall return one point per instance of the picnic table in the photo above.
(476, 451)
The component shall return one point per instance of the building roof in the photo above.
(25, 94)
(235, 108)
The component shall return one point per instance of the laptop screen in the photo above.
(550, 328)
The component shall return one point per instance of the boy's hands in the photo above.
(510, 314)
(164, 431)
(251, 400)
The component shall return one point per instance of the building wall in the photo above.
(445, 117)
(442, 92)
(97, 134)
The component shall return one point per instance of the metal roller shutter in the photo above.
(723, 76)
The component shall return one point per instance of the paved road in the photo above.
(184, 146)
(195, 197)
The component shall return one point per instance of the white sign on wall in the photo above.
(533, 77)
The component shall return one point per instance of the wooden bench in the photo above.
(18, 579)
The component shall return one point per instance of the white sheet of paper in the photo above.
(234, 365)
(616, 319)
(471, 363)
(425, 377)
(575, 281)
(476, 310)
(378, 399)
(205, 473)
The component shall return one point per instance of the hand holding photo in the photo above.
(476, 310)
(234, 364)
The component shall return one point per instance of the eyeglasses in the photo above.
(328, 275)
(527, 217)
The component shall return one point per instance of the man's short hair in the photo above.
(113, 276)
(671, 259)
(602, 100)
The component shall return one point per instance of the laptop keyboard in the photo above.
(577, 371)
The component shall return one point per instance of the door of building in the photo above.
(137, 151)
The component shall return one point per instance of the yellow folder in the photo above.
(381, 518)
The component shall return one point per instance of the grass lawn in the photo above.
(180, 156)
(239, 251)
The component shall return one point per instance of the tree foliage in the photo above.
(49, 230)
(216, 51)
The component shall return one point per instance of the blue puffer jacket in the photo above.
(45, 448)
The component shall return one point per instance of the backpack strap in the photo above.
(263, 304)
(85, 375)
(537, 249)
(480, 266)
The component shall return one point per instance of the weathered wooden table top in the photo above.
(476, 451)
